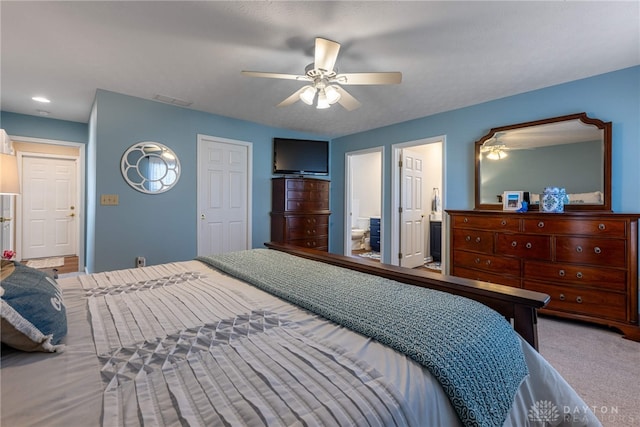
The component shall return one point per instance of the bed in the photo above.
(285, 336)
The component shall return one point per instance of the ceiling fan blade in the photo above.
(347, 100)
(326, 54)
(388, 78)
(293, 98)
(274, 75)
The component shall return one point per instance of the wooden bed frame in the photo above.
(517, 305)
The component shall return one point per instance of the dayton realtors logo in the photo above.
(543, 411)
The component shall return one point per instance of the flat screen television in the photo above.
(300, 156)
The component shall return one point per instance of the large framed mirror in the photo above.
(150, 167)
(572, 152)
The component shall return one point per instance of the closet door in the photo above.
(224, 195)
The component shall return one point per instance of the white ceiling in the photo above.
(451, 54)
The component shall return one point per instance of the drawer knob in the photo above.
(579, 299)
(488, 262)
(601, 227)
(503, 222)
(465, 220)
(579, 275)
(597, 250)
(477, 239)
(562, 297)
(579, 249)
(561, 273)
(477, 260)
(541, 224)
(529, 245)
(468, 238)
(514, 244)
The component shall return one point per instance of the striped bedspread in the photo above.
(472, 350)
(181, 346)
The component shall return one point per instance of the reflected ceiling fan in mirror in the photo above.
(495, 149)
(325, 84)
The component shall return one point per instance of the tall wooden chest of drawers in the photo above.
(300, 212)
(586, 261)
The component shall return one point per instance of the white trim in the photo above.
(396, 149)
(81, 176)
(249, 145)
(347, 196)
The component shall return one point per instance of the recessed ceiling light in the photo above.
(41, 99)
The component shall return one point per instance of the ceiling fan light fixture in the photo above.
(308, 94)
(332, 95)
(323, 101)
(497, 154)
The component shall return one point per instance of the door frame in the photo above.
(201, 140)
(80, 176)
(348, 173)
(396, 150)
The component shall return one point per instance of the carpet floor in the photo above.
(599, 364)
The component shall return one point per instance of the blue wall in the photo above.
(42, 127)
(163, 227)
(611, 97)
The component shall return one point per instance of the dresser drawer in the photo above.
(590, 227)
(485, 276)
(498, 223)
(584, 250)
(473, 240)
(308, 185)
(583, 301)
(307, 205)
(307, 195)
(526, 246)
(307, 221)
(321, 243)
(490, 263)
(596, 277)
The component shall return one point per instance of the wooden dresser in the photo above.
(586, 261)
(300, 212)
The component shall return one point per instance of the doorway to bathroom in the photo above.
(363, 204)
(417, 195)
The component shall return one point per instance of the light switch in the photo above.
(109, 199)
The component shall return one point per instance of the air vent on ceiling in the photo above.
(173, 101)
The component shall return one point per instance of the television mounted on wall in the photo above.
(300, 156)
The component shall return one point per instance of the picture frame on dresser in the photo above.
(512, 200)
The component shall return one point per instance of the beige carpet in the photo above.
(599, 364)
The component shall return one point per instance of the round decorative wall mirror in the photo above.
(150, 167)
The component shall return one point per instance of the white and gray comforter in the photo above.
(184, 344)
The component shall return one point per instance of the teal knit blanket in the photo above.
(471, 349)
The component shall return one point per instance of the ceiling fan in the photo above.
(495, 149)
(325, 84)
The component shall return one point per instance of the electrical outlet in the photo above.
(109, 200)
(140, 261)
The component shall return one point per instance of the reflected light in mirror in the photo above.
(497, 154)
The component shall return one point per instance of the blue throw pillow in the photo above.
(33, 314)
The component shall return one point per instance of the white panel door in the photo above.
(223, 196)
(49, 207)
(412, 216)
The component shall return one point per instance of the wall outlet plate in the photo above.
(109, 199)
